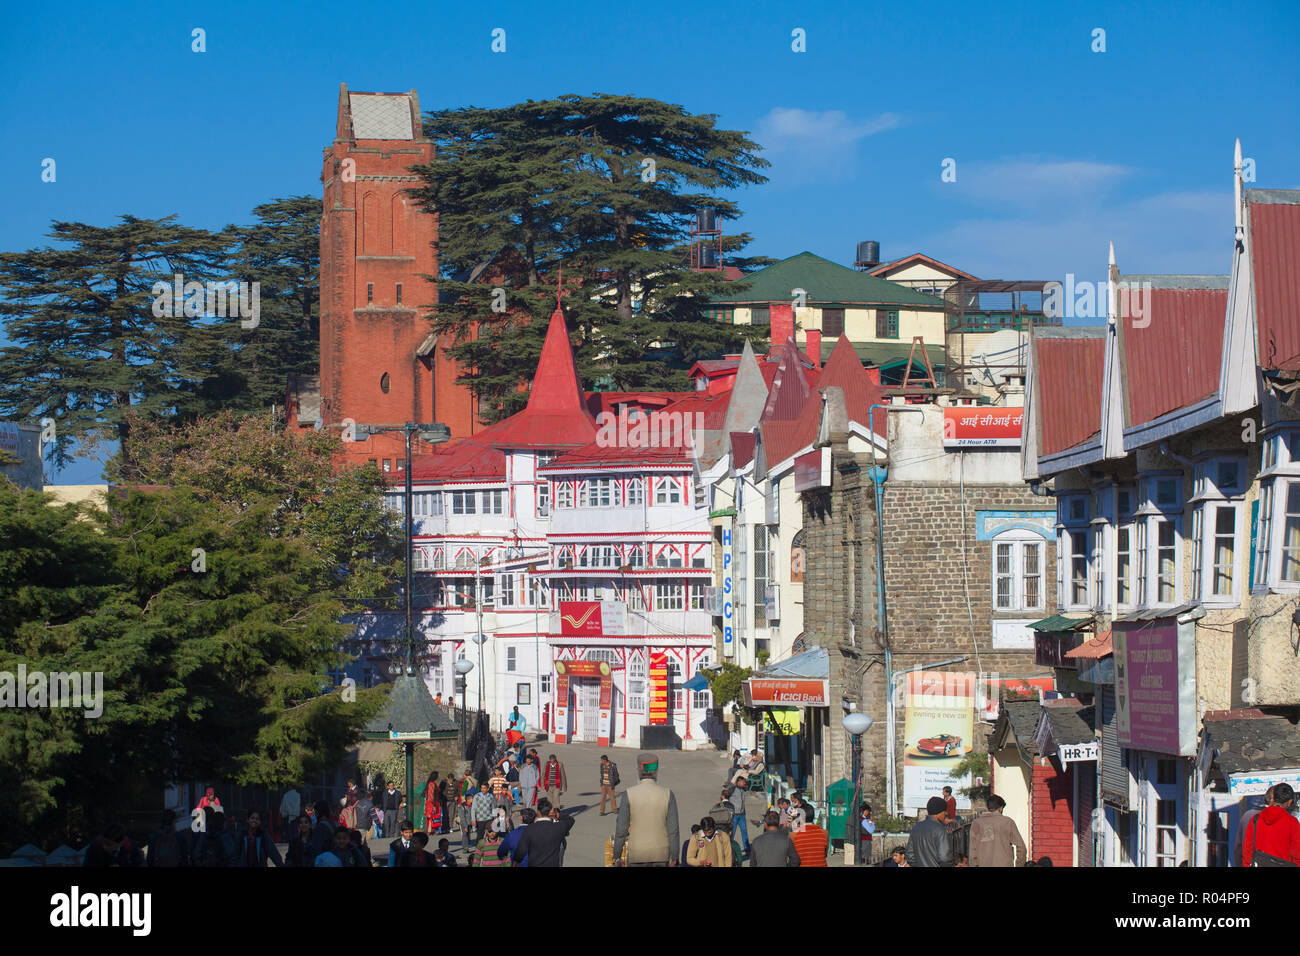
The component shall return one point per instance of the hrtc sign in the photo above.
(1074, 753)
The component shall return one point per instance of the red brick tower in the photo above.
(380, 362)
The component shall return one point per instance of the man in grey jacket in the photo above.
(930, 843)
(995, 840)
(774, 847)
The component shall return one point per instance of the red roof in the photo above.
(1093, 649)
(1275, 252)
(782, 438)
(464, 460)
(742, 448)
(1068, 371)
(555, 416)
(1173, 360)
(789, 387)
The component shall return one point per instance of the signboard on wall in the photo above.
(773, 692)
(9, 437)
(982, 427)
(580, 619)
(798, 558)
(1074, 753)
(813, 470)
(938, 733)
(1155, 686)
(728, 598)
(659, 688)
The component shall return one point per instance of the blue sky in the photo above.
(1058, 149)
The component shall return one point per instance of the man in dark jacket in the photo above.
(390, 802)
(403, 846)
(774, 846)
(930, 843)
(540, 844)
(256, 845)
(608, 781)
(527, 816)
(365, 811)
(450, 792)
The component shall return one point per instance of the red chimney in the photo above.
(782, 323)
(873, 373)
(813, 346)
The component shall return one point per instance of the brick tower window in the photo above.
(399, 293)
(370, 293)
(384, 383)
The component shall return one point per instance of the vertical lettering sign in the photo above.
(659, 688)
(561, 702)
(728, 607)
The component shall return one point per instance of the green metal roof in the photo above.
(410, 709)
(890, 354)
(1060, 624)
(825, 282)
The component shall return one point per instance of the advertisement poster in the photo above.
(658, 688)
(939, 726)
(1155, 686)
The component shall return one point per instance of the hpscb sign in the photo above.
(728, 605)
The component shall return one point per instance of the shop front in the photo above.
(794, 697)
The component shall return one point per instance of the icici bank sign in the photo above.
(773, 692)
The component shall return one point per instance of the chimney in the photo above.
(873, 373)
(813, 346)
(782, 323)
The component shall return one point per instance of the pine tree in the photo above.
(604, 187)
(88, 340)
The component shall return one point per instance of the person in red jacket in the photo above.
(1272, 838)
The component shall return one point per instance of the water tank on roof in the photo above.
(868, 254)
(708, 256)
(707, 218)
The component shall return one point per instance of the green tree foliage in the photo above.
(604, 187)
(216, 662)
(86, 344)
(727, 684)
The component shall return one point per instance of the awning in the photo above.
(1060, 624)
(696, 683)
(1093, 649)
(813, 663)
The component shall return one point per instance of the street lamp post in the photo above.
(463, 667)
(856, 724)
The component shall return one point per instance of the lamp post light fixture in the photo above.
(856, 724)
(463, 667)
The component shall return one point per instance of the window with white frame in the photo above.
(1101, 530)
(494, 502)
(466, 559)
(697, 590)
(1072, 551)
(1159, 520)
(636, 681)
(510, 659)
(464, 502)
(540, 592)
(669, 557)
(419, 559)
(544, 499)
(635, 598)
(1125, 505)
(702, 699)
(763, 561)
(668, 597)
(1018, 571)
(506, 590)
(425, 504)
(437, 559)
(1277, 560)
(668, 492)
(635, 492)
(1216, 528)
(563, 494)
(636, 556)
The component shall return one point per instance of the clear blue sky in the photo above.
(1058, 149)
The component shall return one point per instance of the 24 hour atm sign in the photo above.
(728, 606)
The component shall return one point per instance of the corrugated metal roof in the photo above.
(812, 664)
(1068, 368)
(1094, 649)
(1060, 624)
(825, 282)
(1155, 613)
(789, 390)
(1172, 354)
(1275, 252)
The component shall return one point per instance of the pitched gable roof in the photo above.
(825, 282)
(887, 267)
(1171, 355)
(789, 386)
(1275, 255)
(1069, 364)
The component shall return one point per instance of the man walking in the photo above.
(554, 783)
(647, 820)
(812, 843)
(541, 843)
(390, 803)
(403, 846)
(481, 810)
(448, 793)
(608, 781)
(930, 843)
(709, 847)
(773, 847)
(740, 823)
(723, 813)
(529, 777)
(995, 840)
(527, 817)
